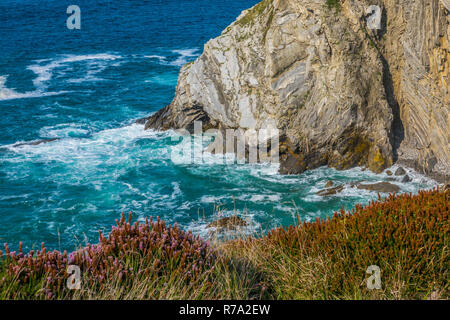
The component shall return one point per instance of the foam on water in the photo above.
(185, 56)
(129, 168)
(44, 68)
(11, 94)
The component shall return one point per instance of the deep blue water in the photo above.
(86, 87)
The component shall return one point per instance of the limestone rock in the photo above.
(340, 94)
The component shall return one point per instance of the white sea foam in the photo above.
(265, 198)
(69, 148)
(44, 68)
(200, 226)
(64, 131)
(11, 94)
(161, 59)
(216, 200)
(185, 56)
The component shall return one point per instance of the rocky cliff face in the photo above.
(341, 94)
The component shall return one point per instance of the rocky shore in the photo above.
(341, 94)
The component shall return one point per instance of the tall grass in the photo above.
(136, 261)
(406, 236)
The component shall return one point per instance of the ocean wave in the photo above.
(44, 68)
(161, 59)
(185, 56)
(11, 94)
(64, 131)
(78, 142)
(166, 79)
(200, 226)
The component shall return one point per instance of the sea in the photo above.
(82, 91)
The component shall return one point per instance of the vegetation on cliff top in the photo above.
(406, 236)
(334, 4)
(254, 13)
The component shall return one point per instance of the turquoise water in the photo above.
(86, 88)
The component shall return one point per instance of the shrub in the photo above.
(406, 236)
(150, 251)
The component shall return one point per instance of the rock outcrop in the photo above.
(230, 223)
(341, 94)
(384, 187)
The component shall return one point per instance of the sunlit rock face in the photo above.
(341, 94)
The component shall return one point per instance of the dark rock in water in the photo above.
(406, 178)
(400, 172)
(355, 183)
(330, 192)
(364, 169)
(329, 184)
(35, 143)
(384, 187)
(228, 223)
(142, 120)
(389, 172)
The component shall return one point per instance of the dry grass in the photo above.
(406, 236)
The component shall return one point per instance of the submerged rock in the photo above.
(384, 187)
(330, 191)
(228, 223)
(35, 143)
(389, 172)
(400, 172)
(142, 120)
(329, 184)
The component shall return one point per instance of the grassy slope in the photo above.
(406, 236)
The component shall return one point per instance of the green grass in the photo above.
(406, 236)
(334, 4)
(254, 13)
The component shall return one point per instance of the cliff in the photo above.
(340, 93)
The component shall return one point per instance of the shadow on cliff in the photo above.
(397, 128)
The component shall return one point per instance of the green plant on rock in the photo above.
(334, 4)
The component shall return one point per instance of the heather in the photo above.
(405, 235)
(142, 261)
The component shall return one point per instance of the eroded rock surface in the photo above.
(340, 94)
